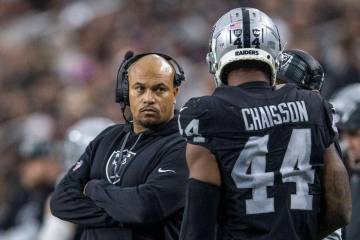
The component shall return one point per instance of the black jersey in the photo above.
(131, 193)
(269, 145)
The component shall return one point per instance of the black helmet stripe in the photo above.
(246, 27)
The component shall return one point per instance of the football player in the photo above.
(262, 159)
(301, 68)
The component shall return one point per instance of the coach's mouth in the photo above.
(149, 110)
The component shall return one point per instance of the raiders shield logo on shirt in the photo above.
(115, 166)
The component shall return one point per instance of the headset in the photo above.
(122, 80)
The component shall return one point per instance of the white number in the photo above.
(192, 129)
(298, 154)
(254, 155)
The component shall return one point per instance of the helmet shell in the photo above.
(243, 34)
(299, 67)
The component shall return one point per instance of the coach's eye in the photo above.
(160, 90)
(139, 89)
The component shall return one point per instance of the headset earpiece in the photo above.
(122, 84)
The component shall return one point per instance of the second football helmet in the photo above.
(243, 34)
(300, 67)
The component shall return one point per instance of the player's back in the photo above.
(269, 145)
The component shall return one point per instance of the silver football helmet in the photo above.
(243, 34)
(345, 101)
(80, 135)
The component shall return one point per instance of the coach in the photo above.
(129, 183)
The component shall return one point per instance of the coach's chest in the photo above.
(126, 164)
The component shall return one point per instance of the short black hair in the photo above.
(246, 64)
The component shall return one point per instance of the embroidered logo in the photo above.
(115, 165)
(78, 164)
(160, 170)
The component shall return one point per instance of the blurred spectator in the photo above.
(351, 135)
(77, 138)
(37, 171)
(345, 101)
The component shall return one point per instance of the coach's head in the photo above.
(149, 84)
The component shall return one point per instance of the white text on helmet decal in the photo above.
(246, 52)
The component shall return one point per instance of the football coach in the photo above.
(129, 183)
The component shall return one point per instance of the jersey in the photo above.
(269, 146)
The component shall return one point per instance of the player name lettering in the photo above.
(246, 52)
(259, 118)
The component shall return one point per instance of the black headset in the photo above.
(122, 80)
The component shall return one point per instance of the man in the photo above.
(129, 183)
(262, 160)
(300, 68)
(350, 128)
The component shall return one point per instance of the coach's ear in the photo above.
(176, 91)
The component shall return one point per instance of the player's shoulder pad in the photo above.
(310, 95)
(196, 119)
(197, 107)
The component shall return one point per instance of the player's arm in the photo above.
(337, 195)
(160, 196)
(69, 203)
(202, 194)
(197, 123)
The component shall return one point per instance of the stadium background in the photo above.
(58, 62)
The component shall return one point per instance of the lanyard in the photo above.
(122, 166)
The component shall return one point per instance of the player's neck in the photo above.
(241, 76)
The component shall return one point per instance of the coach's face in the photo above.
(152, 92)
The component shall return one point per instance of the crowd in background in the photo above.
(59, 58)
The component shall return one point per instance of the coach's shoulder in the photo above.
(111, 131)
